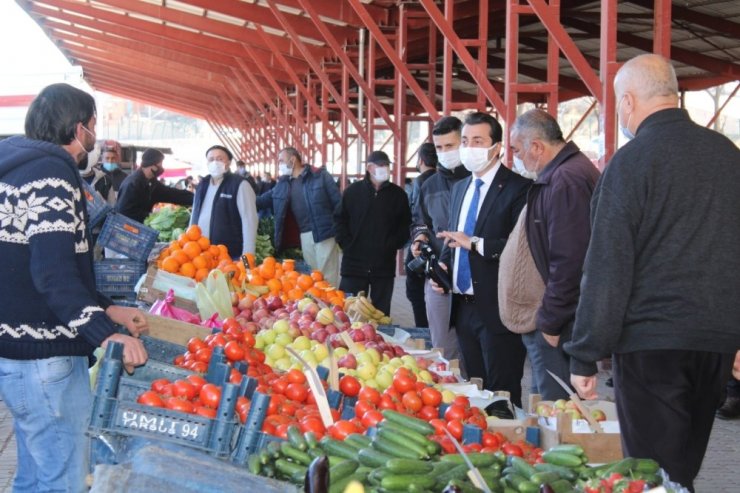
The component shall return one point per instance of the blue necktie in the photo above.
(463, 269)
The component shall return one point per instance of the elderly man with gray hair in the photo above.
(557, 231)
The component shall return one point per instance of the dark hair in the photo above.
(428, 154)
(54, 114)
(151, 157)
(538, 124)
(447, 124)
(478, 117)
(221, 148)
(292, 152)
(240, 163)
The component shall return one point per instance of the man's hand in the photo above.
(455, 239)
(736, 366)
(585, 386)
(551, 340)
(415, 251)
(134, 353)
(436, 287)
(132, 318)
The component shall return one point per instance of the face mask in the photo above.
(284, 169)
(84, 166)
(157, 170)
(381, 173)
(625, 129)
(449, 159)
(216, 169)
(92, 146)
(522, 170)
(110, 166)
(475, 159)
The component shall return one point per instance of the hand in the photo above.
(585, 386)
(415, 251)
(436, 287)
(736, 366)
(455, 239)
(132, 318)
(134, 353)
(551, 340)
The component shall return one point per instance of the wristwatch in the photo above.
(474, 243)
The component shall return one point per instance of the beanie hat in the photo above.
(151, 157)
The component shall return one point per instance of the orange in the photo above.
(192, 249)
(222, 250)
(304, 282)
(316, 292)
(201, 274)
(295, 294)
(182, 239)
(213, 250)
(170, 264)
(257, 280)
(201, 262)
(274, 285)
(322, 285)
(269, 261)
(289, 264)
(181, 257)
(316, 275)
(293, 275)
(193, 232)
(188, 269)
(164, 254)
(204, 243)
(175, 245)
(267, 271)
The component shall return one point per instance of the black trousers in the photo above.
(666, 402)
(415, 295)
(378, 289)
(498, 359)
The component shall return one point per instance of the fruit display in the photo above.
(562, 406)
(192, 255)
(361, 309)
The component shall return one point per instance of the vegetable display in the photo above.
(170, 220)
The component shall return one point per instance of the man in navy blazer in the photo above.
(483, 210)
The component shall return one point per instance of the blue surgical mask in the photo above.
(110, 166)
(625, 129)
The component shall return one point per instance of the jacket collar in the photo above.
(456, 174)
(565, 153)
(661, 117)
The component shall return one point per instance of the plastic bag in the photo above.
(167, 308)
(213, 322)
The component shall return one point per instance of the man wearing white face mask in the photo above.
(372, 223)
(483, 211)
(557, 230)
(225, 206)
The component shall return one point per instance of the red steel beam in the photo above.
(402, 70)
(719, 110)
(581, 120)
(511, 71)
(720, 25)
(339, 10)
(662, 28)
(608, 70)
(114, 90)
(17, 100)
(553, 65)
(116, 86)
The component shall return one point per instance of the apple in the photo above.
(426, 377)
(242, 321)
(245, 303)
(309, 358)
(543, 409)
(319, 335)
(251, 327)
(275, 351)
(598, 415)
(448, 396)
(340, 351)
(294, 331)
(259, 314)
(357, 335)
(398, 351)
(259, 304)
(366, 371)
(570, 405)
(559, 404)
(267, 322)
(300, 343)
(364, 357)
(281, 313)
(320, 352)
(332, 329)
(384, 378)
(245, 313)
(268, 336)
(295, 315)
(274, 302)
(235, 310)
(374, 354)
(341, 316)
(281, 326)
(574, 414)
(347, 361)
(369, 331)
(316, 325)
(283, 364)
(283, 339)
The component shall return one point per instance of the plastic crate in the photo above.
(128, 237)
(162, 351)
(118, 277)
(97, 207)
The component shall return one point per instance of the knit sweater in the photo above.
(662, 271)
(48, 303)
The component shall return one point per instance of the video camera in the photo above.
(427, 263)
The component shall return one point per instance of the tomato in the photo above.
(197, 381)
(341, 429)
(295, 376)
(412, 401)
(296, 392)
(349, 386)
(230, 324)
(216, 340)
(428, 413)
(472, 447)
(199, 366)
(511, 449)
(371, 418)
(235, 376)
(314, 424)
(159, 384)
(204, 355)
(393, 393)
(167, 390)
(280, 386)
(195, 343)
(403, 383)
(233, 351)
(184, 389)
(179, 360)
(177, 404)
(431, 396)
(204, 411)
(361, 407)
(386, 402)
(289, 408)
(490, 440)
(248, 339)
(463, 401)
(210, 395)
(455, 427)
(454, 411)
(150, 398)
(477, 420)
(439, 426)
(369, 394)
(447, 445)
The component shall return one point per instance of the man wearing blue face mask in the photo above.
(372, 223)
(112, 166)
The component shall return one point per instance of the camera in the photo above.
(427, 263)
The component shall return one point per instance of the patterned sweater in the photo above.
(48, 302)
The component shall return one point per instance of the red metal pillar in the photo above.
(662, 28)
(608, 67)
(553, 66)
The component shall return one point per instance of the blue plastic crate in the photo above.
(118, 277)
(162, 351)
(128, 237)
(97, 207)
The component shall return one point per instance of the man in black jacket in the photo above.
(558, 230)
(660, 286)
(372, 223)
(483, 210)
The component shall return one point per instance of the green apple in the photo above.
(366, 371)
(309, 357)
(283, 364)
(340, 351)
(396, 362)
(448, 396)
(269, 336)
(409, 361)
(301, 342)
(384, 378)
(357, 325)
(275, 351)
(426, 377)
(364, 357)
(386, 358)
(259, 342)
(320, 352)
(374, 354)
(371, 383)
(281, 326)
(283, 339)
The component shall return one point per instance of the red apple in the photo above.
(319, 335)
(259, 303)
(341, 317)
(246, 303)
(245, 313)
(357, 335)
(274, 302)
(317, 326)
(332, 329)
(369, 332)
(347, 361)
(252, 327)
(398, 350)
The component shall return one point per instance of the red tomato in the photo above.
(210, 395)
(197, 381)
(455, 411)
(412, 401)
(282, 431)
(477, 420)
(439, 426)
(216, 340)
(184, 389)
(199, 366)
(242, 403)
(296, 392)
(455, 427)
(159, 385)
(289, 408)
(167, 390)
(181, 405)
(195, 343)
(314, 424)
(361, 407)
(393, 394)
(431, 396)
(179, 360)
(295, 376)
(207, 412)
(341, 429)
(463, 401)
(428, 413)
(235, 376)
(204, 355)
(472, 447)
(230, 324)
(491, 441)
(447, 445)
(276, 400)
(403, 383)
(511, 449)
(280, 386)
(233, 351)
(150, 398)
(349, 386)
(386, 402)
(371, 418)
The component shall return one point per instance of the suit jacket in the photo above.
(497, 217)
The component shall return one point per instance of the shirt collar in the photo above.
(488, 176)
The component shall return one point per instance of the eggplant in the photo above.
(317, 476)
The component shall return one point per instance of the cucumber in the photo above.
(373, 458)
(514, 480)
(339, 486)
(288, 469)
(563, 472)
(334, 459)
(402, 482)
(295, 437)
(339, 449)
(293, 453)
(409, 422)
(409, 466)
(265, 457)
(528, 487)
(562, 459)
(315, 452)
(544, 477)
(562, 486)
(568, 448)
(311, 439)
(342, 470)
(253, 464)
(463, 486)
(622, 467)
(298, 477)
(273, 448)
(377, 475)
(268, 470)
(364, 470)
(402, 441)
(522, 467)
(358, 441)
(431, 446)
(478, 459)
(390, 448)
(648, 466)
(459, 471)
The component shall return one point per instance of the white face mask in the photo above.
(284, 169)
(625, 128)
(216, 169)
(475, 159)
(449, 159)
(382, 173)
(522, 170)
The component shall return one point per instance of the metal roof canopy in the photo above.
(269, 73)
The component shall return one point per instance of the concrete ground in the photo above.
(720, 472)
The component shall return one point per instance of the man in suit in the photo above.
(483, 210)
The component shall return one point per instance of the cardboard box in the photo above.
(174, 331)
(157, 283)
(513, 429)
